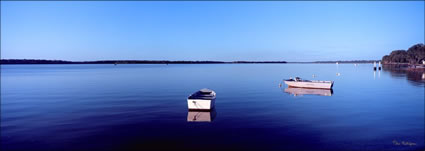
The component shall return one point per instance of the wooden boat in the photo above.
(203, 99)
(299, 83)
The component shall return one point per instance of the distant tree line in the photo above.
(348, 61)
(258, 62)
(38, 61)
(414, 55)
(33, 61)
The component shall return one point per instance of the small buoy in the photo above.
(374, 66)
(338, 74)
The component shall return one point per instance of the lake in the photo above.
(142, 106)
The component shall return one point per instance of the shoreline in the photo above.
(37, 61)
(116, 62)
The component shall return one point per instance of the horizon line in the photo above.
(47, 61)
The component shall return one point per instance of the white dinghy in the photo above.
(299, 83)
(203, 99)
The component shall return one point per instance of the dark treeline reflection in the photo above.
(415, 75)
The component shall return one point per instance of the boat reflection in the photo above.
(304, 91)
(201, 116)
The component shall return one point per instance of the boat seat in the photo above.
(200, 95)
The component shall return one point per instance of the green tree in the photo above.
(414, 55)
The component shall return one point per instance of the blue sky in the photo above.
(227, 31)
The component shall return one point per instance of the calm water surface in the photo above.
(107, 107)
